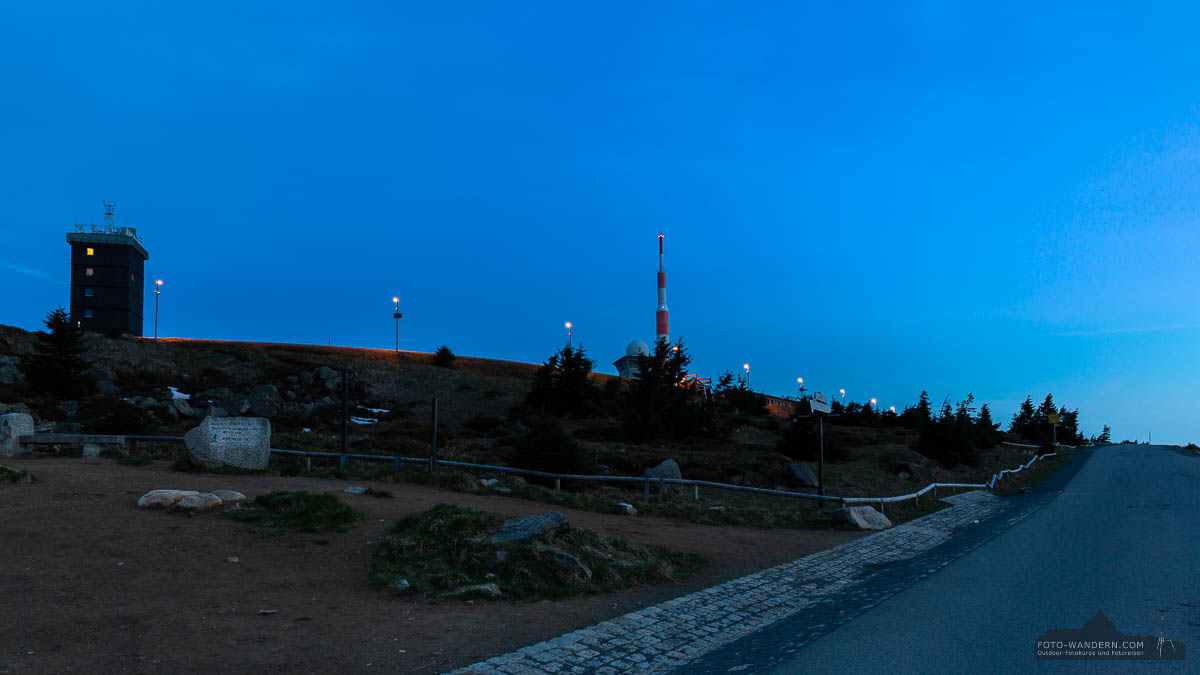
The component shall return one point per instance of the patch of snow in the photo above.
(177, 395)
(381, 411)
(305, 430)
(363, 420)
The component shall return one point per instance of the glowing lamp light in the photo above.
(746, 366)
(874, 402)
(892, 408)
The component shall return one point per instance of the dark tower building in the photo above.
(107, 276)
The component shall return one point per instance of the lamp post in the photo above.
(843, 393)
(892, 409)
(157, 292)
(875, 404)
(746, 367)
(397, 315)
(570, 334)
(800, 381)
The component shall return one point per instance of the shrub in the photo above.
(548, 447)
(122, 417)
(443, 357)
(447, 547)
(300, 511)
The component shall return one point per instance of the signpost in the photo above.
(1054, 418)
(818, 407)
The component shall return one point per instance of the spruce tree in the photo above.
(1023, 419)
(562, 383)
(924, 410)
(58, 366)
(661, 402)
(443, 357)
(985, 428)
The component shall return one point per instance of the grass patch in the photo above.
(1031, 477)
(10, 474)
(134, 460)
(299, 511)
(447, 547)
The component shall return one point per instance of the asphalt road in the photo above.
(1117, 531)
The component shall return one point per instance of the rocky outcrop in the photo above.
(517, 530)
(569, 562)
(10, 373)
(667, 469)
(861, 518)
(802, 475)
(265, 401)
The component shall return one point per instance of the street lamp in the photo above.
(843, 392)
(800, 381)
(746, 366)
(570, 334)
(892, 408)
(874, 403)
(397, 315)
(157, 292)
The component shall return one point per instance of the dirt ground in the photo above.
(91, 583)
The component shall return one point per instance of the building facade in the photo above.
(107, 278)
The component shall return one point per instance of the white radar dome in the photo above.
(637, 347)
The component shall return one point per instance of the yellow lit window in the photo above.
(91, 251)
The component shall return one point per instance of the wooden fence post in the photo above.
(433, 440)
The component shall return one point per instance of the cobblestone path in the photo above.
(677, 632)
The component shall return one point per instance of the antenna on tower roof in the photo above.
(109, 207)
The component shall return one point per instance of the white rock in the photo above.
(355, 490)
(198, 503)
(229, 497)
(862, 517)
(161, 499)
(627, 509)
(241, 442)
(12, 427)
(490, 590)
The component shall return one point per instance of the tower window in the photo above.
(87, 292)
(91, 251)
(87, 313)
(90, 271)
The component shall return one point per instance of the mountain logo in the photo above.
(1099, 639)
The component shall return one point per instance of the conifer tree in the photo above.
(58, 366)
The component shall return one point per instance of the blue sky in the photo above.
(998, 200)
